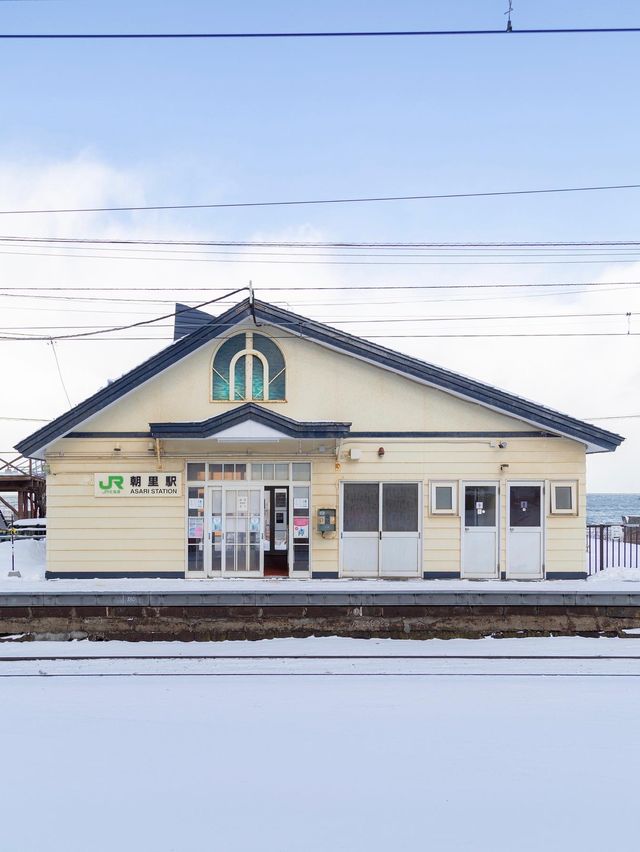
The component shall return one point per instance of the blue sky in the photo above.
(207, 121)
(267, 119)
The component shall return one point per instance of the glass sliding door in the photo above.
(234, 530)
(400, 529)
(360, 533)
(242, 531)
(380, 529)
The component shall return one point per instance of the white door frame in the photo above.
(225, 487)
(380, 483)
(463, 486)
(543, 532)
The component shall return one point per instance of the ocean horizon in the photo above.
(605, 508)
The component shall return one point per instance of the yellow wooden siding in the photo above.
(88, 533)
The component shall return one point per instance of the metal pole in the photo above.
(14, 572)
(601, 529)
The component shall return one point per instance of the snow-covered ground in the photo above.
(29, 558)
(324, 754)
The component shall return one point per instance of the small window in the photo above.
(301, 471)
(564, 498)
(195, 471)
(444, 498)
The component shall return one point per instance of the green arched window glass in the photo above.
(248, 366)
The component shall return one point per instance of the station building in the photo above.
(263, 443)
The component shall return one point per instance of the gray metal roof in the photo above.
(250, 411)
(595, 438)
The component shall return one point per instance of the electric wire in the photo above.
(345, 244)
(64, 387)
(318, 201)
(320, 34)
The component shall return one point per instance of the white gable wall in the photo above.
(321, 385)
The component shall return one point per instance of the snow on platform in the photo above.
(455, 755)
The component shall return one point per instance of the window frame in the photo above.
(248, 352)
(563, 483)
(443, 483)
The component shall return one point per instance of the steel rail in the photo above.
(328, 657)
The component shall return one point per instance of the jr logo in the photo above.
(113, 483)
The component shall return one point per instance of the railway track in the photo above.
(258, 657)
(314, 665)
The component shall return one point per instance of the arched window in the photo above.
(248, 367)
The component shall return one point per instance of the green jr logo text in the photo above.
(114, 483)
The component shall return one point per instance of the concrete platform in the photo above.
(279, 594)
(213, 611)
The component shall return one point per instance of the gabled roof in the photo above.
(188, 319)
(254, 413)
(595, 438)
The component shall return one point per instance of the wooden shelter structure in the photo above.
(24, 478)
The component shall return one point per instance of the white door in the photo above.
(400, 529)
(380, 529)
(525, 533)
(360, 529)
(235, 531)
(480, 530)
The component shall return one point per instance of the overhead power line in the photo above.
(319, 201)
(138, 324)
(10, 293)
(615, 417)
(489, 336)
(321, 34)
(62, 382)
(27, 419)
(314, 244)
(387, 319)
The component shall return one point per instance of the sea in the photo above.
(609, 508)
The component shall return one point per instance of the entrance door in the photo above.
(480, 530)
(360, 529)
(400, 529)
(380, 535)
(525, 534)
(235, 531)
(276, 531)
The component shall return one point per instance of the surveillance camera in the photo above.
(502, 445)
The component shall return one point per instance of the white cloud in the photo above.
(587, 377)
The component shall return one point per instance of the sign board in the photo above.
(301, 527)
(155, 484)
(196, 528)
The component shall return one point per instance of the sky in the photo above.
(168, 122)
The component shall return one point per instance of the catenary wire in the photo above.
(403, 336)
(135, 258)
(345, 244)
(317, 201)
(9, 293)
(389, 319)
(320, 34)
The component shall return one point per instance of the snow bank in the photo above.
(30, 558)
(626, 575)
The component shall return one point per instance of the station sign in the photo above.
(154, 484)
